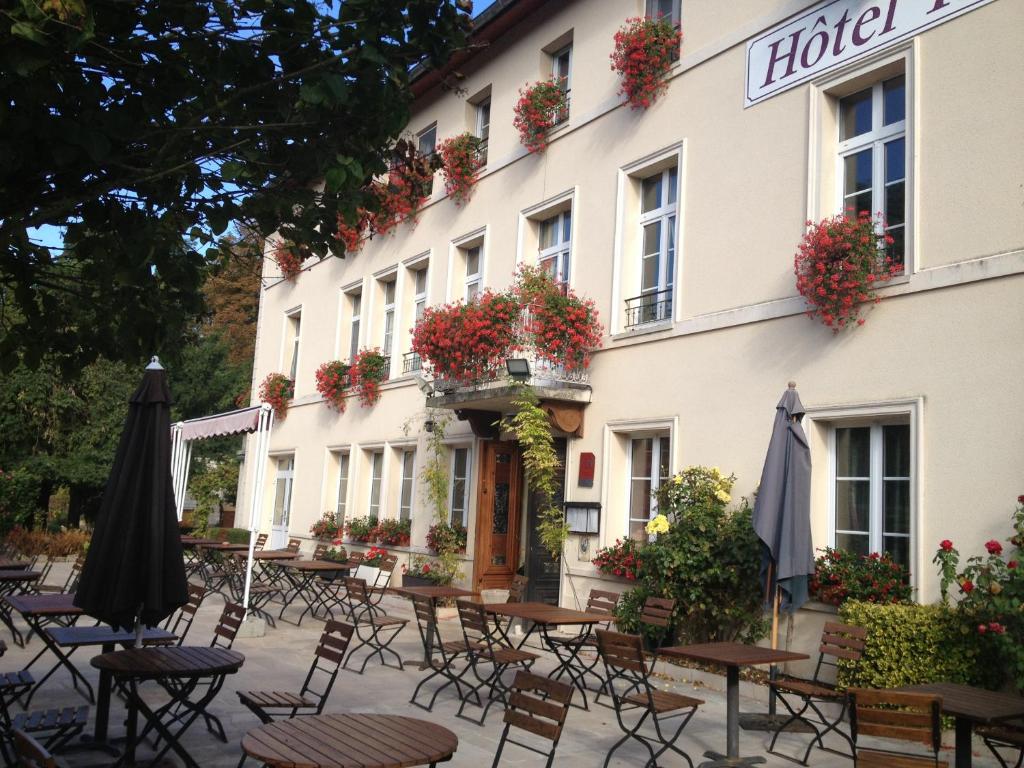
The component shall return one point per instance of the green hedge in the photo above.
(909, 644)
(230, 535)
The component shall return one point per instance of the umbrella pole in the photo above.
(773, 671)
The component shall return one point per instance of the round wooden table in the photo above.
(350, 741)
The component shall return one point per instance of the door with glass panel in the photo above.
(282, 501)
(498, 507)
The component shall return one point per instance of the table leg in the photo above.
(103, 701)
(732, 727)
(964, 731)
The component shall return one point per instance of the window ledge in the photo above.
(643, 330)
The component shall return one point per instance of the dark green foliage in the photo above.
(230, 535)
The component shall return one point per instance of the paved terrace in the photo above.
(280, 659)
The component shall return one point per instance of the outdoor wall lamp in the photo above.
(518, 368)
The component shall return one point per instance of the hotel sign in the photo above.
(834, 33)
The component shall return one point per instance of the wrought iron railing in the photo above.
(654, 307)
(411, 363)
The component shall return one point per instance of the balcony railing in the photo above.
(411, 363)
(647, 308)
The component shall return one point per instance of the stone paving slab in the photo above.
(280, 660)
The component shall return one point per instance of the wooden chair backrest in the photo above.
(183, 621)
(542, 715)
(76, 573)
(621, 651)
(356, 590)
(657, 612)
(911, 717)
(356, 558)
(843, 641)
(319, 551)
(387, 565)
(473, 619)
(227, 626)
(30, 753)
(423, 607)
(261, 541)
(517, 590)
(601, 601)
(293, 545)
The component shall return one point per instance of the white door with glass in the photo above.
(282, 501)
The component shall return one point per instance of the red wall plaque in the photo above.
(587, 462)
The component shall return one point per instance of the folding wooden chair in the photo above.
(261, 541)
(30, 753)
(14, 685)
(913, 717)
(212, 571)
(374, 629)
(260, 593)
(516, 594)
(487, 651)
(181, 622)
(70, 583)
(604, 603)
(385, 571)
(441, 655)
(294, 545)
(331, 593)
(628, 684)
(312, 696)
(539, 706)
(1007, 736)
(838, 641)
(656, 619)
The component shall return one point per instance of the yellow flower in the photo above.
(722, 496)
(678, 480)
(659, 524)
(716, 471)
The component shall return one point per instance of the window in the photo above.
(283, 491)
(474, 269)
(405, 497)
(426, 143)
(343, 464)
(458, 501)
(376, 481)
(389, 317)
(871, 509)
(294, 329)
(555, 245)
(419, 299)
(669, 9)
(561, 73)
(658, 201)
(483, 126)
(649, 459)
(873, 156)
(355, 307)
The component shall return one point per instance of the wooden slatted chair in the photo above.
(261, 541)
(838, 642)
(911, 717)
(14, 685)
(656, 619)
(516, 594)
(319, 551)
(442, 654)
(1006, 737)
(70, 583)
(30, 753)
(316, 688)
(380, 586)
(212, 570)
(331, 593)
(181, 622)
(604, 603)
(374, 629)
(628, 680)
(487, 651)
(294, 545)
(539, 706)
(260, 592)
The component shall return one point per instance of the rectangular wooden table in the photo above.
(732, 656)
(971, 706)
(435, 593)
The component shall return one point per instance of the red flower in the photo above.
(643, 55)
(539, 107)
(967, 586)
(994, 547)
(995, 626)
(331, 382)
(288, 259)
(946, 545)
(982, 629)
(276, 390)
(1012, 565)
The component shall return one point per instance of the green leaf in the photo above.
(28, 32)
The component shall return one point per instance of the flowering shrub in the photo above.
(694, 487)
(374, 556)
(422, 568)
(326, 527)
(840, 576)
(369, 369)
(361, 529)
(336, 553)
(444, 537)
(468, 342)
(537, 110)
(331, 382)
(289, 260)
(622, 559)
(644, 50)
(405, 191)
(562, 327)
(460, 164)
(839, 263)
(992, 593)
(658, 524)
(393, 533)
(352, 236)
(276, 390)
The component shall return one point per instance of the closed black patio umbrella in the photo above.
(134, 574)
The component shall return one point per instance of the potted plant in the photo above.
(560, 327)
(277, 390)
(289, 259)
(644, 51)
(369, 369)
(875, 578)
(406, 190)
(839, 264)
(425, 573)
(460, 165)
(369, 570)
(331, 382)
(393, 533)
(337, 553)
(326, 527)
(445, 537)
(624, 559)
(360, 529)
(537, 111)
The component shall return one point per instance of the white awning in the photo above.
(232, 423)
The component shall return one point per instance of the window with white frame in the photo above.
(873, 154)
(376, 482)
(355, 300)
(474, 257)
(408, 487)
(483, 126)
(283, 490)
(458, 492)
(343, 470)
(664, 9)
(426, 143)
(294, 334)
(561, 73)
(388, 289)
(419, 297)
(649, 467)
(659, 195)
(555, 245)
(871, 507)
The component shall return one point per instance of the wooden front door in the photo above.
(498, 505)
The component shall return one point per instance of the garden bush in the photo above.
(909, 644)
(230, 535)
(69, 543)
(361, 529)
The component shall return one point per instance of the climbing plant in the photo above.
(530, 425)
(434, 476)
